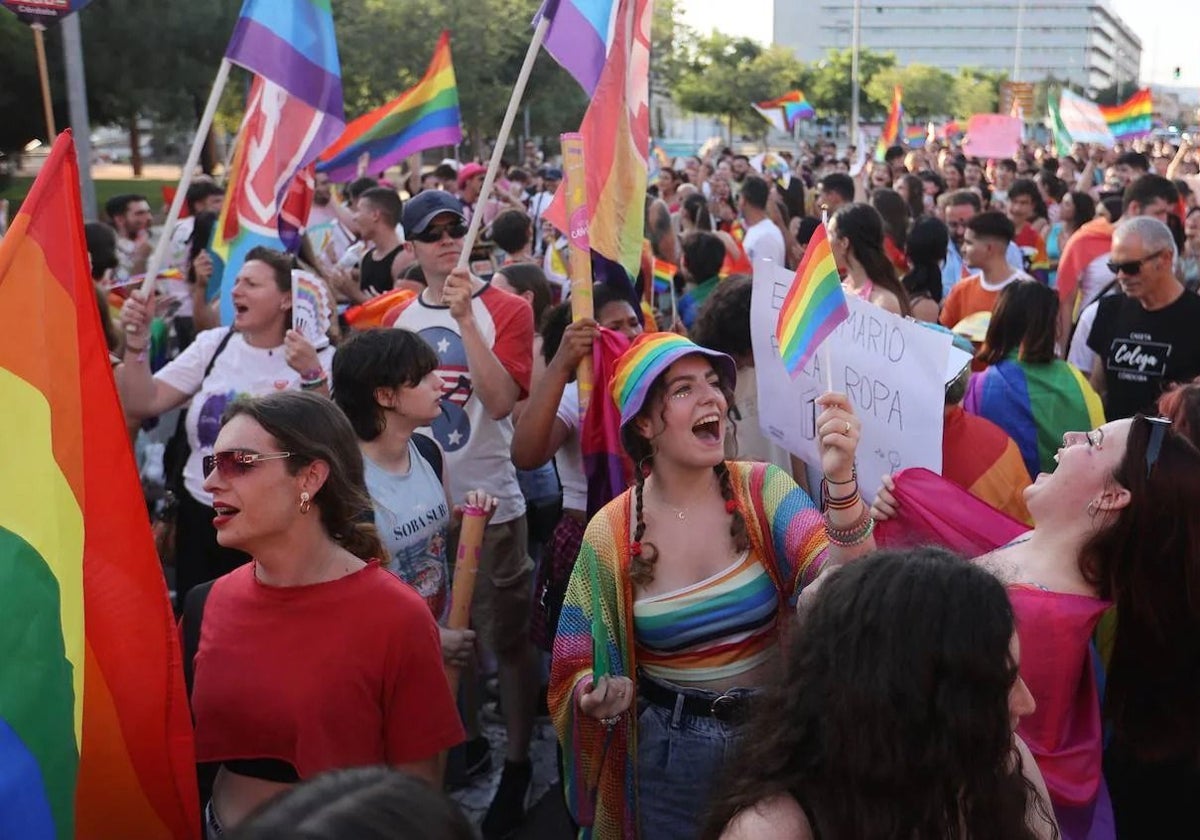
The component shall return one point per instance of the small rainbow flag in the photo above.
(891, 129)
(915, 134)
(814, 306)
(422, 117)
(664, 275)
(1132, 117)
(794, 106)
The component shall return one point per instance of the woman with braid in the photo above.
(685, 583)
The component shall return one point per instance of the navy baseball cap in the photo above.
(425, 206)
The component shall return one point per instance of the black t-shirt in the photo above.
(1144, 351)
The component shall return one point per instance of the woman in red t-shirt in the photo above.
(311, 657)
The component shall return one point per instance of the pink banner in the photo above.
(992, 136)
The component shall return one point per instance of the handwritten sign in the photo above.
(892, 369)
(993, 136)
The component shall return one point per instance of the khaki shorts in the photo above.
(503, 587)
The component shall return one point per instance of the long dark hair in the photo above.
(695, 208)
(313, 429)
(1085, 209)
(895, 214)
(891, 719)
(916, 194)
(1147, 560)
(925, 249)
(1025, 321)
(862, 226)
(641, 452)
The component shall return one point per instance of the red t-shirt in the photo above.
(339, 674)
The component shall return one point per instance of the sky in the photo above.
(1168, 32)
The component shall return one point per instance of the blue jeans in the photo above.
(680, 756)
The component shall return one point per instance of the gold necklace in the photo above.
(680, 513)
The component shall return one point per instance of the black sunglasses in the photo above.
(235, 463)
(434, 234)
(1132, 268)
(1158, 431)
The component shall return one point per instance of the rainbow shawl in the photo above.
(1035, 404)
(599, 767)
(980, 457)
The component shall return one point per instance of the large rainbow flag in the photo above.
(1132, 118)
(422, 117)
(813, 307)
(95, 733)
(891, 129)
(1035, 404)
(580, 35)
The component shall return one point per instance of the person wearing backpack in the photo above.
(258, 354)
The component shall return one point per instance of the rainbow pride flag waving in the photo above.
(1132, 118)
(891, 129)
(814, 306)
(95, 733)
(422, 117)
(790, 107)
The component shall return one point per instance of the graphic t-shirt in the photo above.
(476, 446)
(412, 517)
(1144, 351)
(240, 369)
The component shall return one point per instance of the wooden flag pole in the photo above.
(510, 115)
(39, 46)
(185, 177)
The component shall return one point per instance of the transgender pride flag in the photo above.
(579, 37)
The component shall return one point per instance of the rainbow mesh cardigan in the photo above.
(599, 770)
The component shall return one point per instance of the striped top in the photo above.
(717, 628)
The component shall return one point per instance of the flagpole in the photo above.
(39, 45)
(510, 115)
(185, 178)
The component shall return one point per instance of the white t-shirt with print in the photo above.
(569, 458)
(240, 369)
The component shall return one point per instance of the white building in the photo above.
(1081, 41)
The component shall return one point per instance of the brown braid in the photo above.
(737, 524)
(641, 569)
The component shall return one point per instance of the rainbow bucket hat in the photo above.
(646, 359)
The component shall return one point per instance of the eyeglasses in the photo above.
(434, 234)
(1158, 431)
(235, 463)
(1132, 268)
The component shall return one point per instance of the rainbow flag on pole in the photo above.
(580, 36)
(422, 117)
(95, 733)
(792, 106)
(814, 306)
(891, 129)
(1132, 118)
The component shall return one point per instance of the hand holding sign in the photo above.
(310, 308)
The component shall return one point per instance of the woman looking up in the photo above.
(693, 571)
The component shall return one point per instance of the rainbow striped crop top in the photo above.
(717, 628)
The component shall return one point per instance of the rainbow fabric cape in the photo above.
(1035, 404)
(891, 129)
(607, 467)
(95, 733)
(1132, 118)
(814, 306)
(579, 36)
(422, 117)
(616, 143)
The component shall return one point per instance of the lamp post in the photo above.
(855, 37)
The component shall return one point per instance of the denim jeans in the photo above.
(679, 758)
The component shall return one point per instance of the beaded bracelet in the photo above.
(313, 384)
(856, 534)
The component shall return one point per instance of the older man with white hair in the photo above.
(1148, 336)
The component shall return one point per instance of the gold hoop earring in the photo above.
(305, 502)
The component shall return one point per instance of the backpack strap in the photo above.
(193, 617)
(224, 341)
(430, 451)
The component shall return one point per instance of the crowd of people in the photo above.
(706, 619)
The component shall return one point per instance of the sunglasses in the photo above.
(1132, 268)
(434, 234)
(1158, 431)
(235, 463)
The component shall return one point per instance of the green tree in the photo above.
(926, 89)
(830, 88)
(975, 91)
(21, 117)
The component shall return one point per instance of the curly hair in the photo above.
(891, 719)
(723, 322)
(641, 451)
(312, 428)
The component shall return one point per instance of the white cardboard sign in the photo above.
(893, 370)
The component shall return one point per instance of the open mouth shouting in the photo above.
(223, 514)
(708, 429)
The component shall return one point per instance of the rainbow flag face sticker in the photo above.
(814, 306)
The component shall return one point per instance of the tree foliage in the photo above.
(926, 89)
(975, 91)
(830, 90)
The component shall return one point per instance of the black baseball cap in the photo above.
(424, 207)
(552, 174)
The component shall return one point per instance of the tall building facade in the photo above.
(1081, 41)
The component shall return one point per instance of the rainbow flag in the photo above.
(664, 275)
(616, 143)
(1130, 119)
(580, 36)
(1035, 404)
(792, 106)
(814, 306)
(915, 134)
(95, 733)
(422, 117)
(891, 129)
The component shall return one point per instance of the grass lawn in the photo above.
(18, 187)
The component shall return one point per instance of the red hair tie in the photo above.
(730, 506)
(635, 548)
